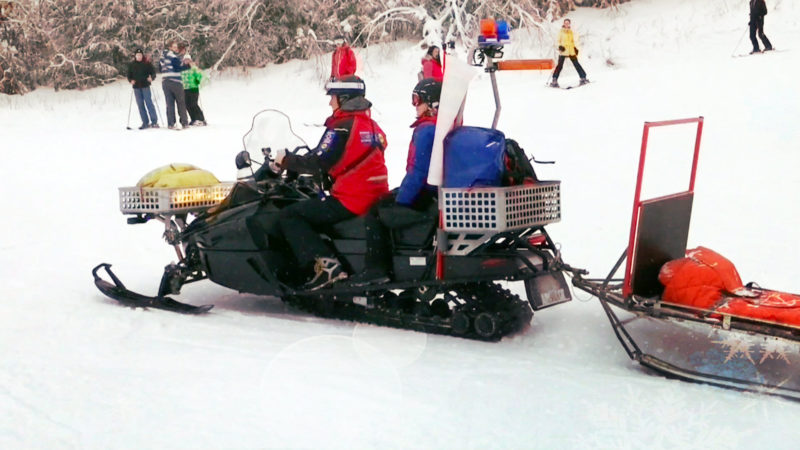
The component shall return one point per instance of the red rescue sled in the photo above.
(687, 314)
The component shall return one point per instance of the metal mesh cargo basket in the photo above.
(138, 200)
(500, 208)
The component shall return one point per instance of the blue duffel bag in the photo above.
(474, 156)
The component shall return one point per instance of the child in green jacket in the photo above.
(191, 78)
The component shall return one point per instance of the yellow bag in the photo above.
(177, 175)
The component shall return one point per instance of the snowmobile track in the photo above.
(481, 311)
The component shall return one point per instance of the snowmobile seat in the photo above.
(348, 229)
(409, 228)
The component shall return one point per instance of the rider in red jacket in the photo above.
(351, 153)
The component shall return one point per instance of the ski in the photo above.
(120, 293)
(742, 55)
(566, 88)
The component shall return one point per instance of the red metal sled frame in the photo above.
(638, 203)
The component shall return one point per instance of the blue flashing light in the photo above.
(503, 30)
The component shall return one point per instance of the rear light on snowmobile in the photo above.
(494, 262)
(537, 240)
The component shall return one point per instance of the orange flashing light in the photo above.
(489, 28)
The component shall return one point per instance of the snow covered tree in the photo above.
(72, 44)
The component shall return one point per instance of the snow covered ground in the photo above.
(79, 371)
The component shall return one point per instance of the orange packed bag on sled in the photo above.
(699, 279)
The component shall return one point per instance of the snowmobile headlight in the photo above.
(196, 196)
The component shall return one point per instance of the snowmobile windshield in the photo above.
(270, 130)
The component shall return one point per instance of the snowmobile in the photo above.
(745, 340)
(448, 261)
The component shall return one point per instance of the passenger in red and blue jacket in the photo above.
(414, 189)
(414, 192)
(351, 153)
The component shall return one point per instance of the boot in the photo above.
(584, 81)
(554, 83)
(326, 272)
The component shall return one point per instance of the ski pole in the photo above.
(738, 43)
(157, 101)
(130, 103)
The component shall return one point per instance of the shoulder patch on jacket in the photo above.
(327, 140)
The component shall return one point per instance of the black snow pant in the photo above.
(192, 99)
(757, 28)
(575, 63)
(385, 215)
(299, 225)
(379, 245)
(173, 94)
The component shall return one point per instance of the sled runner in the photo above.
(447, 260)
(728, 335)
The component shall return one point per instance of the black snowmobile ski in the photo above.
(120, 293)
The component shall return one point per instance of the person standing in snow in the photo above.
(191, 78)
(343, 60)
(140, 74)
(567, 48)
(350, 152)
(758, 9)
(413, 197)
(432, 64)
(171, 67)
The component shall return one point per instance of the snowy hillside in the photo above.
(79, 371)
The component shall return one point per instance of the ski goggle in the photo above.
(415, 99)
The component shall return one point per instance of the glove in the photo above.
(280, 154)
(275, 164)
(561, 48)
(576, 51)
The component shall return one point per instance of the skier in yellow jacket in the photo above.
(567, 48)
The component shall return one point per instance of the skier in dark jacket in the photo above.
(171, 63)
(351, 153)
(413, 197)
(758, 9)
(140, 74)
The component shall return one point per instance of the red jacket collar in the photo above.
(423, 119)
(340, 113)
